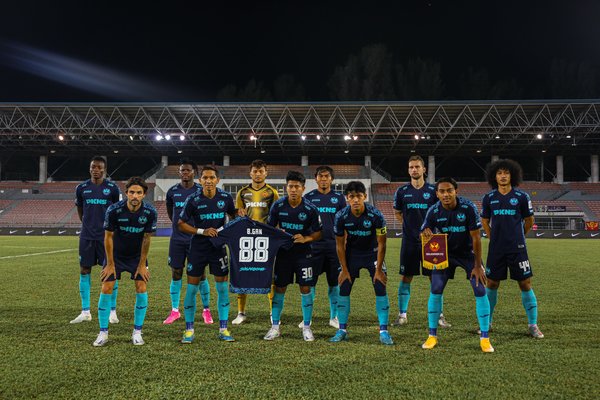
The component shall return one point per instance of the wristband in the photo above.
(200, 231)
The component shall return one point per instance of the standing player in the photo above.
(180, 242)
(300, 218)
(255, 201)
(203, 213)
(507, 216)
(93, 197)
(458, 218)
(360, 243)
(324, 256)
(129, 226)
(411, 203)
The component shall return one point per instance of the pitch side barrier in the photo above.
(538, 234)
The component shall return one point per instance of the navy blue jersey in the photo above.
(203, 212)
(328, 205)
(303, 219)
(457, 223)
(413, 204)
(176, 196)
(129, 228)
(506, 214)
(362, 230)
(252, 249)
(95, 200)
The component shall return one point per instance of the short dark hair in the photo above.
(295, 176)
(417, 158)
(99, 159)
(355, 186)
(136, 180)
(209, 168)
(189, 162)
(513, 167)
(324, 168)
(446, 179)
(258, 164)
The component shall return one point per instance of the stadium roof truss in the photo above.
(375, 128)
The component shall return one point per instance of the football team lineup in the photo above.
(299, 237)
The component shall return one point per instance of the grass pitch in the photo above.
(43, 356)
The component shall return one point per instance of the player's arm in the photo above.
(381, 247)
(239, 204)
(528, 223)
(141, 269)
(486, 214)
(398, 215)
(485, 222)
(478, 272)
(109, 269)
(79, 203)
(80, 213)
(299, 238)
(340, 248)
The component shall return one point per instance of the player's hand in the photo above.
(479, 274)
(107, 272)
(344, 276)
(143, 272)
(242, 212)
(380, 276)
(210, 232)
(427, 234)
(299, 238)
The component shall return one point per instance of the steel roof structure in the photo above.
(366, 128)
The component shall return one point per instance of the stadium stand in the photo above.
(37, 213)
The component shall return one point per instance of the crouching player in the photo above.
(207, 210)
(360, 243)
(458, 218)
(128, 225)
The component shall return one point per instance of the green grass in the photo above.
(43, 356)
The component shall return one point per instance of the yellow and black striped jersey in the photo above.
(256, 202)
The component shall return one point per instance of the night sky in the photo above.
(188, 51)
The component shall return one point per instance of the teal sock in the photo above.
(482, 307)
(403, 296)
(205, 293)
(115, 294)
(84, 291)
(222, 301)
(313, 291)
(175, 293)
(141, 306)
(442, 304)
(434, 309)
(189, 303)
(278, 300)
(307, 307)
(530, 304)
(343, 310)
(492, 295)
(104, 310)
(382, 306)
(333, 293)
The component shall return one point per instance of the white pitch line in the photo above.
(36, 254)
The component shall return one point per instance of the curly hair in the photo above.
(513, 167)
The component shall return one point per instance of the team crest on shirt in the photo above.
(367, 223)
(142, 220)
(334, 200)
(221, 204)
(266, 194)
(302, 216)
(514, 201)
(461, 217)
(426, 196)
(106, 191)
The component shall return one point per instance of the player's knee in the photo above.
(438, 282)
(525, 285)
(305, 289)
(492, 284)
(407, 278)
(177, 274)
(280, 289)
(85, 270)
(478, 288)
(140, 287)
(379, 289)
(107, 287)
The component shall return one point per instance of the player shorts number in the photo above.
(307, 273)
(254, 249)
(524, 265)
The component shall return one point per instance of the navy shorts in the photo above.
(199, 258)
(178, 253)
(355, 264)
(293, 263)
(411, 262)
(466, 263)
(498, 266)
(91, 252)
(126, 265)
(325, 260)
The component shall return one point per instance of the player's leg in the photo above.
(332, 270)
(343, 310)
(382, 306)
(482, 307)
(317, 262)
(520, 270)
(220, 270)
(204, 289)
(284, 275)
(410, 265)
(241, 315)
(139, 314)
(87, 258)
(196, 266)
(104, 310)
(306, 279)
(177, 255)
(439, 279)
(496, 271)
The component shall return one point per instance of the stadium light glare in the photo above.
(116, 151)
(568, 136)
(179, 151)
(130, 137)
(262, 151)
(61, 137)
(303, 137)
(346, 151)
(252, 137)
(543, 150)
(318, 137)
(181, 137)
(52, 151)
(346, 137)
(539, 136)
(167, 137)
(417, 137)
(497, 136)
(159, 137)
(422, 137)
(412, 151)
(479, 150)
(354, 137)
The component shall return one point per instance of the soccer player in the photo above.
(180, 242)
(360, 243)
(128, 229)
(458, 218)
(300, 218)
(203, 214)
(507, 216)
(411, 203)
(93, 197)
(324, 255)
(255, 201)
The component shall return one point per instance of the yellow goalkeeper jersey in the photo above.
(256, 202)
